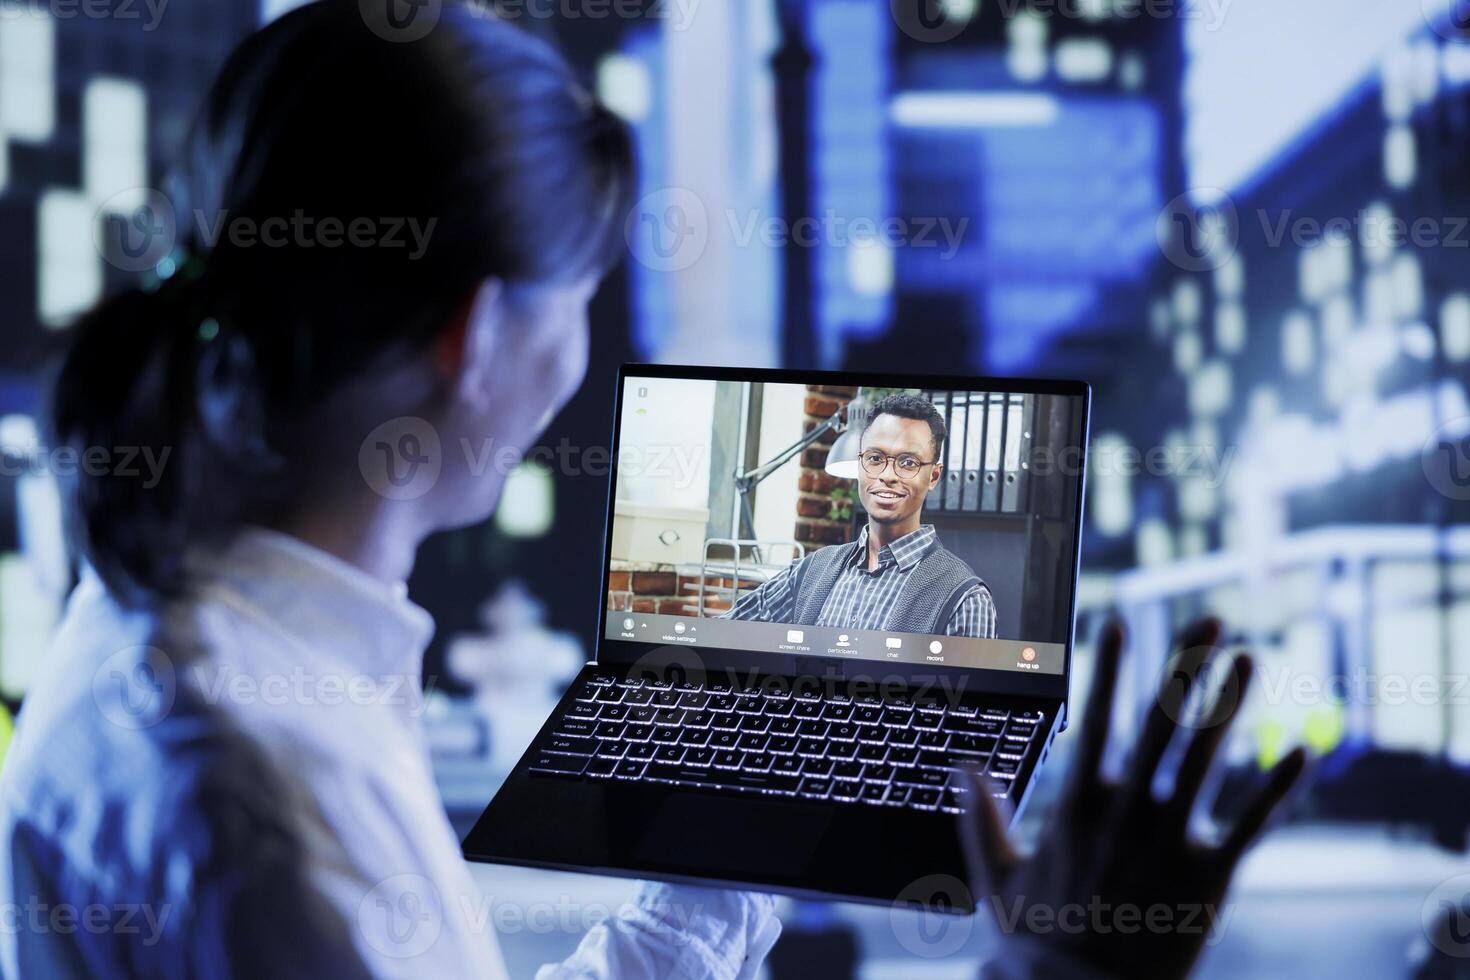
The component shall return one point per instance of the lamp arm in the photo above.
(747, 480)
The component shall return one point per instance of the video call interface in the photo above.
(906, 525)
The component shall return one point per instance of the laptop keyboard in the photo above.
(880, 751)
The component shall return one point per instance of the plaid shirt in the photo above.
(864, 600)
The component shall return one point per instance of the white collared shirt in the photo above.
(243, 778)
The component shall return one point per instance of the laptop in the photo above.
(816, 603)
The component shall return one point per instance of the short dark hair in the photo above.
(912, 407)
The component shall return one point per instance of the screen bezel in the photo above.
(620, 651)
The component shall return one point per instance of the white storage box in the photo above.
(646, 532)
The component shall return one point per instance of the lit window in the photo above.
(115, 144)
(1400, 157)
(1155, 543)
(1084, 59)
(27, 73)
(870, 268)
(623, 84)
(526, 507)
(1408, 287)
(1188, 351)
(1337, 320)
(1210, 388)
(1298, 346)
(1230, 328)
(1112, 485)
(1186, 302)
(1454, 327)
(69, 269)
(1230, 277)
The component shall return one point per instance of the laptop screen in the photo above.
(910, 525)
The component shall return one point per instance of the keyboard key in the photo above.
(815, 728)
(728, 722)
(974, 726)
(811, 746)
(897, 719)
(666, 733)
(583, 710)
(876, 734)
(697, 719)
(642, 716)
(641, 750)
(933, 740)
(614, 712)
(724, 740)
(669, 753)
(571, 745)
(638, 697)
(601, 766)
(609, 695)
(754, 723)
(816, 789)
(729, 759)
(874, 792)
(926, 722)
(872, 753)
(784, 726)
(611, 749)
(897, 795)
(1002, 765)
(923, 797)
(841, 750)
(949, 760)
(698, 757)
(693, 736)
(817, 767)
(637, 733)
(903, 736)
(787, 764)
(922, 776)
(837, 712)
(757, 762)
(576, 726)
(901, 756)
(848, 770)
(806, 710)
(973, 744)
(867, 715)
(1032, 715)
(693, 700)
(778, 709)
(629, 769)
(781, 744)
(562, 765)
(751, 742)
(601, 680)
(846, 791)
(879, 773)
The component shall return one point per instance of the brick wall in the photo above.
(814, 528)
(645, 587)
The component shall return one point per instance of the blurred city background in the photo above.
(1246, 222)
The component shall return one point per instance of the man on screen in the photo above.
(896, 576)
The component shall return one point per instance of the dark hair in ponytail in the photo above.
(478, 131)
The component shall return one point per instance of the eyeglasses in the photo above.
(906, 465)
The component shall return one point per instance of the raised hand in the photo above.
(1117, 883)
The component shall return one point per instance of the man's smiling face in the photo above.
(890, 497)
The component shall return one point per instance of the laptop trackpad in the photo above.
(688, 825)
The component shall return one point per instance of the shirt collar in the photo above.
(905, 552)
(366, 624)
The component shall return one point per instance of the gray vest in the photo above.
(928, 599)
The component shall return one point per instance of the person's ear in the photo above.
(473, 322)
(934, 475)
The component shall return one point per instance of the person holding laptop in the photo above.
(306, 395)
(896, 575)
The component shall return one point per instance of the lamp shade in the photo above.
(842, 458)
